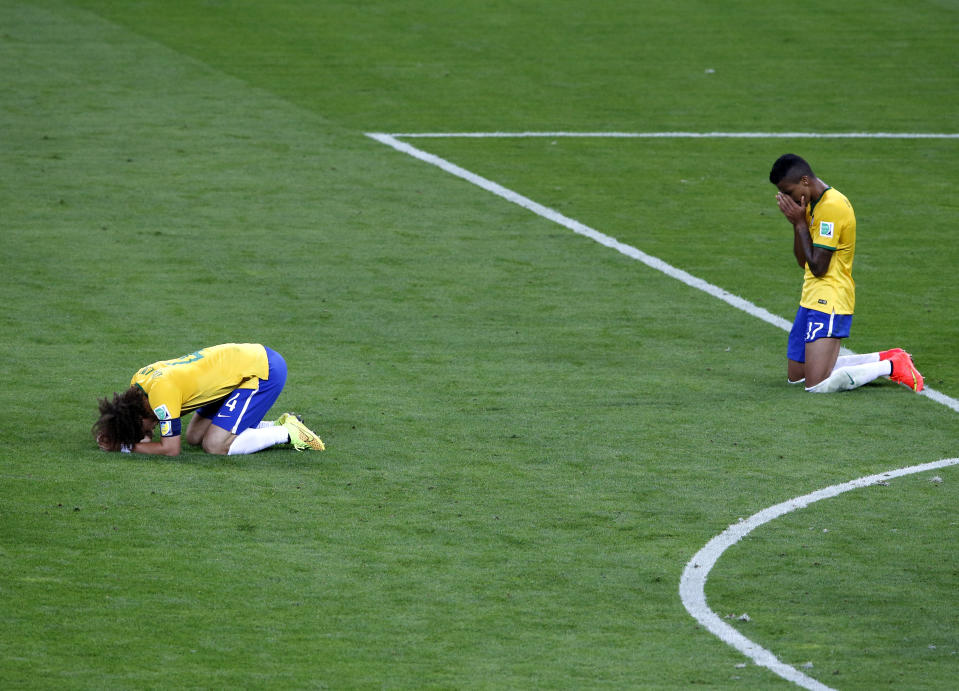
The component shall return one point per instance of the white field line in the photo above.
(679, 135)
(581, 229)
(739, 303)
(693, 582)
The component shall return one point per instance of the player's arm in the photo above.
(798, 250)
(167, 446)
(817, 258)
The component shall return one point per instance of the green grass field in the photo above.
(529, 435)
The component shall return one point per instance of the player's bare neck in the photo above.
(818, 189)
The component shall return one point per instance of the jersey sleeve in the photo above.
(166, 405)
(827, 225)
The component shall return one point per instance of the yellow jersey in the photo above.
(175, 387)
(832, 225)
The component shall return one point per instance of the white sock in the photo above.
(847, 360)
(256, 439)
(846, 378)
(266, 423)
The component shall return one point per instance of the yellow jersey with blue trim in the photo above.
(178, 386)
(832, 226)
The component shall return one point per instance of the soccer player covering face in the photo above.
(824, 229)
(229, 388)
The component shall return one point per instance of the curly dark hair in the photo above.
(121, 419)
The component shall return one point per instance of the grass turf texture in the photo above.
(528, 434)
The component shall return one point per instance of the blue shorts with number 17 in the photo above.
(811, 325)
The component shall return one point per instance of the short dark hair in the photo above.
(121, 419)
(789, 167)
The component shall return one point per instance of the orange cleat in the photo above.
(904, 371)
(888, 354)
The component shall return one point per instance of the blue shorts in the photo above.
(244, 408)
(811, 325)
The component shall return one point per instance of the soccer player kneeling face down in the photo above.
(229, 388)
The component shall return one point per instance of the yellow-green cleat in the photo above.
(280, 420)
(301, 436)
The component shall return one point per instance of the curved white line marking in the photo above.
(692, 584)
(691, 587)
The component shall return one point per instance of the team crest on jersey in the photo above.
(825, 229)
(162, 413)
